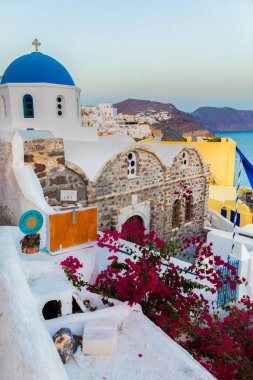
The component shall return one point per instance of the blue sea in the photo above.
(244, 141)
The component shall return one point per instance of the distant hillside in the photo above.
(224, 119)
(184, 122)
(134, 106)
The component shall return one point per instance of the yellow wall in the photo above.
(221, 156)
(243, 210)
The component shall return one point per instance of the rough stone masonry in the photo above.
(150, 194)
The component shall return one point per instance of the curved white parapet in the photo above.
(219, 222)
(31, 195)
(26, 349)
(30, 187)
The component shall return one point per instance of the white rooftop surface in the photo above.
(167, 152)
(222, 242)
(32, 135)
(27, 350)
(92, 156)
(161, 358)
(119, 138)
(247, 228)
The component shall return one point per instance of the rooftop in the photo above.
(144, 352)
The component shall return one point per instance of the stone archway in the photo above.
(139, 209)
(132, 228)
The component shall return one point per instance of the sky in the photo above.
(191, 53)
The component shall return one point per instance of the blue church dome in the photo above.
(37, 68)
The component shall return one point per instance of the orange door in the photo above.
(67, 229)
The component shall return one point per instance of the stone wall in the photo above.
(150, 194)
(154, 185)
(8, 192)
(114, 191)
(48, 161)
(195, 177)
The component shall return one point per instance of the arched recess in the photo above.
(188, 209)
(2, 107)
(132, 229)
(176, 211)
(78, 170)
(140, 209)
(73, 169)
(194, 151)
(136, 148)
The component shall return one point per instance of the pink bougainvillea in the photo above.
(70, 266)
(178, 304)
(175, 301)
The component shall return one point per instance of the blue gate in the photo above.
(225, 294)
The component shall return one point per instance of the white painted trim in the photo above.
(140, 209)
(43, 84)
(74, 248)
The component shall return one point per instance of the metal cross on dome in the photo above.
(36, 43)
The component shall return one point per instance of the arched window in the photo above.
(188, 209)
(28, 106)
(176, 214)
(60, 106)
(2, 107)
(184, 160)
(132, 165)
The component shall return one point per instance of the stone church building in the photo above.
(44, 149)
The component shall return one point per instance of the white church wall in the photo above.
(5, 107)
(20, 187)
(17, 150)
(45, 105)
(45, 95)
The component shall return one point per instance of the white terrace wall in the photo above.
(218, 221)
(26, 349)
(243, 251)
(20, 189)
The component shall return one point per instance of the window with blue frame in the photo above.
(28, 106)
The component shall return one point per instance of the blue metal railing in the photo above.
(225, 293)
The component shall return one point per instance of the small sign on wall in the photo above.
(69, 195)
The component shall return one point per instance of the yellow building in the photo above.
(221, 156)
(223, 200)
